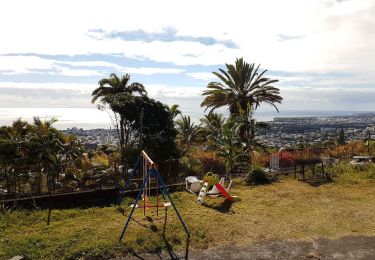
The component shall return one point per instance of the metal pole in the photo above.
(134, 170)
(141, 131)
(135, 205)
(145, 188)
(165, 191)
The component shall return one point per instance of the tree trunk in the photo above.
(127, 135)
(117, 182)
(39, 182)
(15, 179)
(117, 126)
(121, 131)
(6, 176)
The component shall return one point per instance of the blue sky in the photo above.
(53, 53)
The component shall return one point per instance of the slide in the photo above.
(202, 194)
(224, 192)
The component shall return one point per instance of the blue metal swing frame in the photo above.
(161, 185)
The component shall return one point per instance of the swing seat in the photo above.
(166, 204)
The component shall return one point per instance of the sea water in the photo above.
(90, 118)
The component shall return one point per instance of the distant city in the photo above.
(283, 131)
(291, 131)
(95, 138)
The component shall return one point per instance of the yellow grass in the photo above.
(288, 209)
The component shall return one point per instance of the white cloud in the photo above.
(318, 36)
(334, 98)
(23, 64)
(207, 76)
(164, 91)
(77, 72)
(114, 66)
(20, 64)
(150, 71)
(88, 88)
(337, 36)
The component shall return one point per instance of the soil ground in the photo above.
(345, 248)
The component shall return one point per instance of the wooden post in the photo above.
(145, 188)
(303, 171)
(313, 171)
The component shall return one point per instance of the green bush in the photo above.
(191, 166)
(257, 176)
(353, 174)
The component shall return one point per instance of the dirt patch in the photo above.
(351, 247)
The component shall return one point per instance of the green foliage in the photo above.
(228, 147)
(130, 155)
(101, 160)
(34, 155)
(210, 161)
(242, 87)
(341, 139)
(257, 176)
(211, 129)
(158, 132)
(187, 132)
(192, 166)
(174, 110)
(113, 86)
(346, 173)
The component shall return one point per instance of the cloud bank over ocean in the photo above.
(321, 51)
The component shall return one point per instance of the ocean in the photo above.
(90, 118)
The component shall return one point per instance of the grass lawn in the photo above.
(287, 209)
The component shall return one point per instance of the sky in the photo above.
(53, 53)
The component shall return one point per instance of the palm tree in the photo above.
(228, 147)
(212, 127)
(7, 155)
(116, 85)
(48, 145)
(19, 137)
(174, 110)
(243, 89)
(187, 131)
(245, 130)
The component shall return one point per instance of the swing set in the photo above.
(150, 177)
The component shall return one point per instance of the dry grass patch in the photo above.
(287, 209)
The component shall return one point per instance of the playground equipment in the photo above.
(193, 184)
(150, 173)
(211, 180)
(215, 191)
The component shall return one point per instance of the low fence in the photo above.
(88, 198)
(95, 197)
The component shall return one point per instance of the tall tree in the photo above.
(48, 143)
(115, 85)
(157, 131)
(187, 132)
(174, 110)
(243, 88)
(7, 155)
(228, 147)
(19, 136)
(341, 140)
(211, 127)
